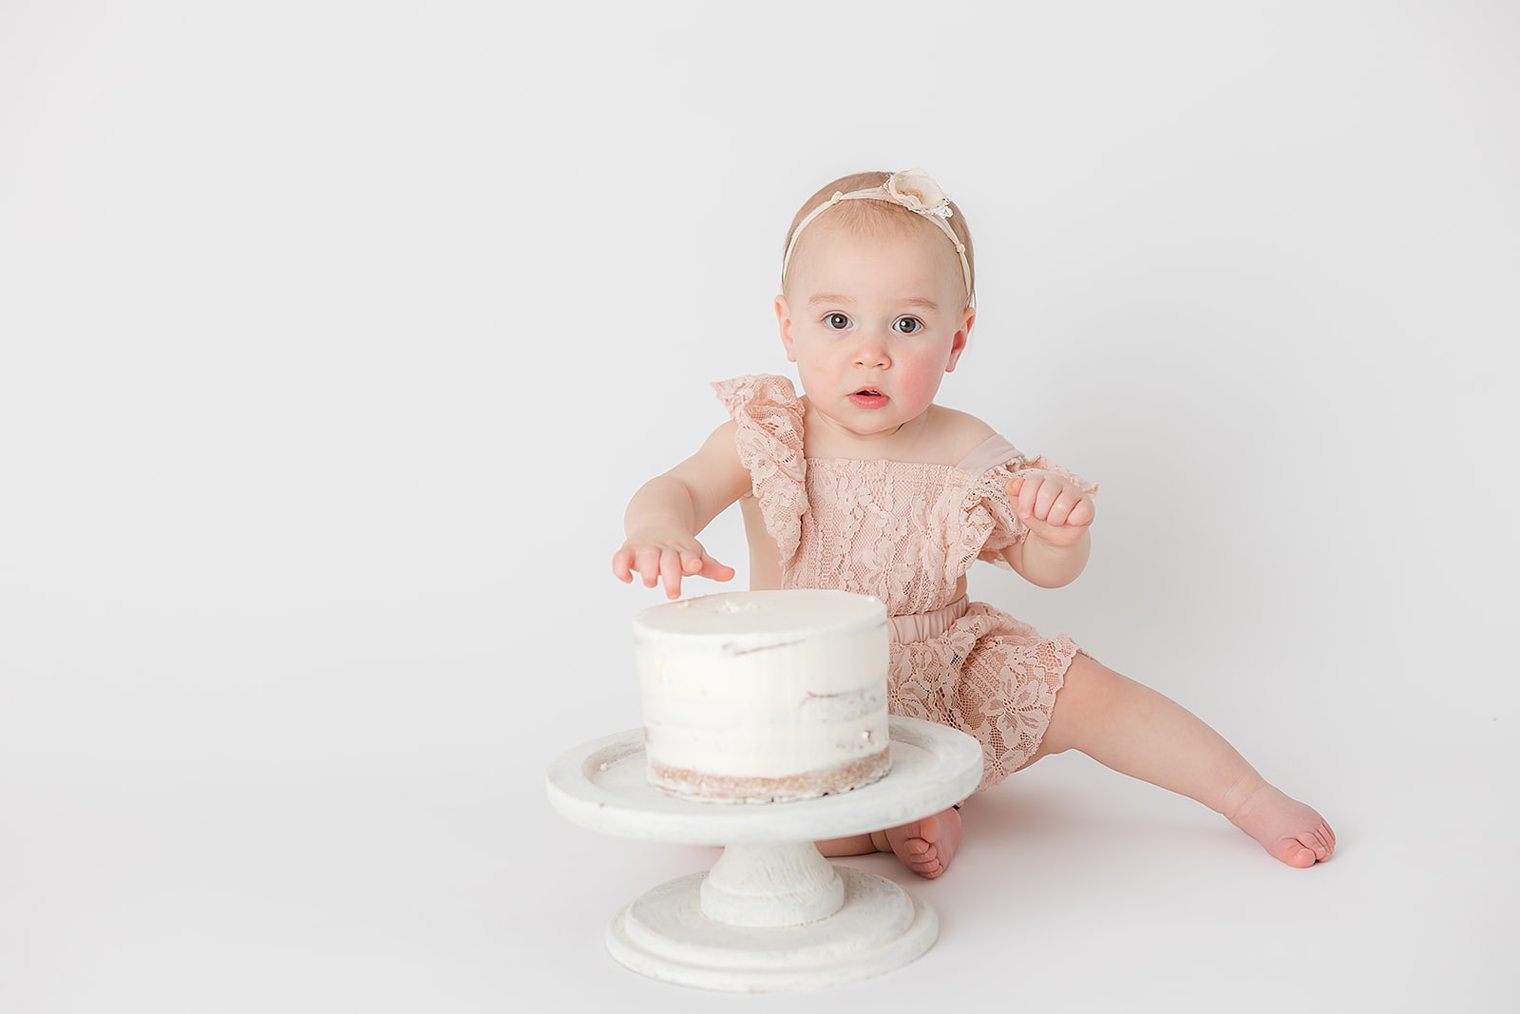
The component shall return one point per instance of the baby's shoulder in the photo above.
(955, 434)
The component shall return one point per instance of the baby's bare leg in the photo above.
(853, 845)
(1131, 728)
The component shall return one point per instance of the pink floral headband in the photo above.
(910, 188)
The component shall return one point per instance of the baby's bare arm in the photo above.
(666, 514)
(1049, 566)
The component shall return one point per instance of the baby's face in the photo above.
(887, 313)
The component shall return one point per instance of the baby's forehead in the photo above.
(903, 233)
(841, 262)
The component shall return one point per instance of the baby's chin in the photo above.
(867, 423)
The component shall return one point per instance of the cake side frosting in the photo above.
(764, 694)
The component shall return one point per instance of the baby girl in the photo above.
(863, 483)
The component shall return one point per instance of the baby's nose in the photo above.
(871, 354)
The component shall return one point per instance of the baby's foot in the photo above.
(1291, 831)
(924, 846)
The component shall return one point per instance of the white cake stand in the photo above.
(772, 913)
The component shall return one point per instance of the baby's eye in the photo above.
(919, 325)
(827, 321)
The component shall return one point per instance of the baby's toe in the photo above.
(1315, 844)
(1326, 846)
(927, 866)
(1291, 850)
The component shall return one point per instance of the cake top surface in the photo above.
(767, 611)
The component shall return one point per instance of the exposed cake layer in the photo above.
(755, 789)
(764, 686)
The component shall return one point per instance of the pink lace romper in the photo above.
(906, 532)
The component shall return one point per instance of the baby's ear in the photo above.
(958, 344)
(956, 347)
(784, 320)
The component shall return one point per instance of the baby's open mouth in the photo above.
(868, 397)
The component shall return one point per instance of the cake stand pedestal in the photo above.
(772, 913)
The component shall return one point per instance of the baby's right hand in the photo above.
(663, 551)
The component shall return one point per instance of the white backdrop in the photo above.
(334, 338)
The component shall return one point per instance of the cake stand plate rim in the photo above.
(640, 811)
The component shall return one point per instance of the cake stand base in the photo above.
(772, 914)
(665, 935)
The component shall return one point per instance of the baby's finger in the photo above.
(1049, 490)
(1082, 513)
(649, 565)
(691, 561)
(1062, 507)
(620, 561)
(715, 571)
(670, 568)
(1027, 492)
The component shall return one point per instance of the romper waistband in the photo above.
(921, 626)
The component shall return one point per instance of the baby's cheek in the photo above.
(919, 382)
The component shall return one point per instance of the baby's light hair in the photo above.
(873, 218)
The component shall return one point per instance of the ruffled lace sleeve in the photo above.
(990, 516)
(769, 416)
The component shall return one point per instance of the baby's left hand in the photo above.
(1055, 512)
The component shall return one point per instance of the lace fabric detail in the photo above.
(871, 531)
(989, 675)
(769, 416)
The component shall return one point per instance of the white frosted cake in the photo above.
(764, 696)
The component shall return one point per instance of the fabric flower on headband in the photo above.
(914, 190)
